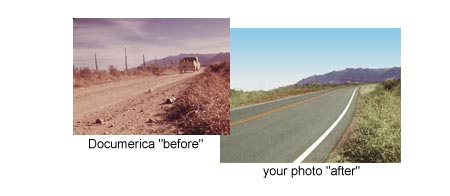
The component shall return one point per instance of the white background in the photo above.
(40, 156)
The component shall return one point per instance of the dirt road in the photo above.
(125, 107)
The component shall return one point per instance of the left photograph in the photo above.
(151, 76)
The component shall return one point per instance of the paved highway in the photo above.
(301, 128)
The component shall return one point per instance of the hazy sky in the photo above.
(154, 37)
(263, 59)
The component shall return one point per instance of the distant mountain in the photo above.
(205, 59)
(219, 57)
(353, 75)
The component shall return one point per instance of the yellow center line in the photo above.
(276, 109)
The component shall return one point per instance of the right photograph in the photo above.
(314, 95)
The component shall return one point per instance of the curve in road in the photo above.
(282, 130)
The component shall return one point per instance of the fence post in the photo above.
(126, 65)
(143, 60)
(96, 67)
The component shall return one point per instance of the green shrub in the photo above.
(390, 84)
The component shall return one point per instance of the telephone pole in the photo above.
(156, 65)
(126, 65)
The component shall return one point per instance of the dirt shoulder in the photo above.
(128, 107)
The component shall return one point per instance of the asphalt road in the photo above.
(281, 131)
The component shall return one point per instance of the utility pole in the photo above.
(156, 65)
(126, 65)
(96, 67)
(143, 60)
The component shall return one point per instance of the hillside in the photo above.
(353, 75)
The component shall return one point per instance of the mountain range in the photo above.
(205, 59)
(353, 75)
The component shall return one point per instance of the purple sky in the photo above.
(154, 37)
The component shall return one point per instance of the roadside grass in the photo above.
(203, 108)
(366, 89)
(376, 135)
(242, 98)
(83, 77)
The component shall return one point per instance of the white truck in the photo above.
(189, 64)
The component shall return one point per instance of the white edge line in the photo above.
(327, 132)
(294, 96)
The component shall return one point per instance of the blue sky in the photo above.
(263, 59)
(156, 37)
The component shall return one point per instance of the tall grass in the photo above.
(376, 137)
(241, 98)
(203, 108)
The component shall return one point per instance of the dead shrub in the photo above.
(113, 71)
(157, 70)
(223, 67)
(85, 73)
